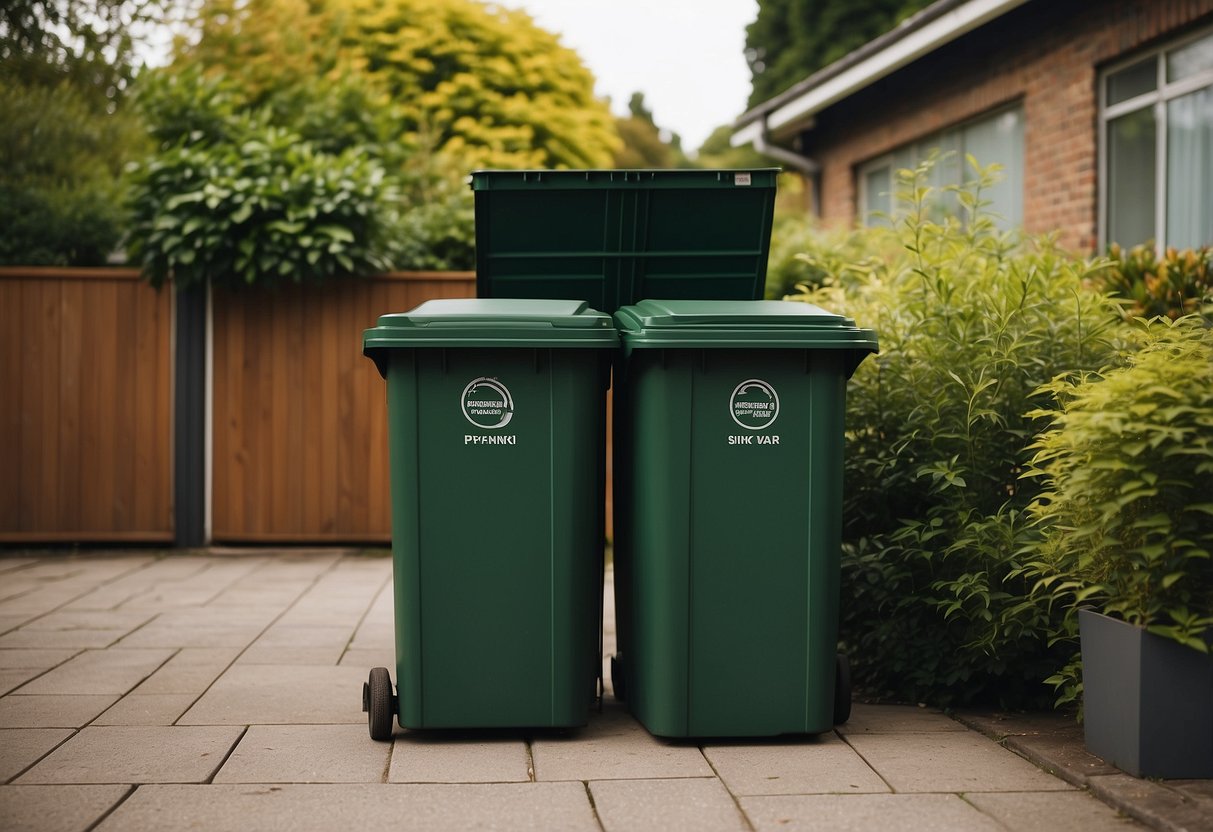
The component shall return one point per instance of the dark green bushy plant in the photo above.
(971, 321)
(1127, 508)
(308, 184)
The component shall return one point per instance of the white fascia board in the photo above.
(938, 32)
(746, 135)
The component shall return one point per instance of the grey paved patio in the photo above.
(222, 691)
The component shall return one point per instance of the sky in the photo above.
(686, 56)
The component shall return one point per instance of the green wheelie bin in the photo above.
(728, 447)
(496, 412)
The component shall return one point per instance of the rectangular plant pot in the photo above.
(1148, 701)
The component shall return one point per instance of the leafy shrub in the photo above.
(261, 207)
(1127, 510)
(1178, 284)
(971, 322)
(804, 257)
(311, 183)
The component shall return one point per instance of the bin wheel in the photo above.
(618, 680)
(842, 688)
(377, 702)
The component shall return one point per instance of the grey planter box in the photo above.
(1148, 701)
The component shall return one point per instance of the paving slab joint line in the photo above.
(362, 618)
(57, 746)
(846, 740)
(589, 795)
(745, 818)
(530, 762)
(130, 790)
(211, 779)
(263, 631)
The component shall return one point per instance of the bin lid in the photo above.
(614, 237)
(755, 324)
(498, 322)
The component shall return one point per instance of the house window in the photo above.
(996, 138)
(1156, 118)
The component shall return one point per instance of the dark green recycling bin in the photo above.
(496, 412)
(614, 237)
(728, 443)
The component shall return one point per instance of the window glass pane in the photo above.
(1131, 178)
(1190, 170)
(999, 140)
(1132, 81)
(1191, 59)
(876, 187)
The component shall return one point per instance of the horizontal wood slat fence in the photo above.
(300, 418)
(85, 421)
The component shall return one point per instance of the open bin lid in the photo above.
(614, 237)
(500, 323)
(755, 324)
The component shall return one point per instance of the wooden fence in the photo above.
(300, 427)
(85, 423)
(299, 418)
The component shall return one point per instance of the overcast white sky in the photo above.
(686, 56)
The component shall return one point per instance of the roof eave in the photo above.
(938, 24)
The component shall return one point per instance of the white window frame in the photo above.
(921, 148)
(1157, 100)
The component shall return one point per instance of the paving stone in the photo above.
(56, 808)
(866, 813)
(368, 658)
(693, 805)
(147, 709)
(298, 645)
(306, 754)
(887, 719)
(281, 695)
(134, 754)
(430, 757)
(192, 670)
(12, 564)
(950, 762)
(12, 622)
(59, 639)
(100, 671)
(21, 747)
(92, 620)
(614, 746)
(12, 679)
(1035, 811)
(51, 711)
(323, 808)
(31, 658)
(814, 765)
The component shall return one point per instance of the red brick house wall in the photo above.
(1047, 56)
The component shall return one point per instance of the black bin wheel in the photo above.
(377, 702)
(842, 688)
(618, 681)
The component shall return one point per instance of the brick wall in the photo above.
(1045, 55)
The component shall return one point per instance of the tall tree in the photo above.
(645, 145)
(65, 136)
(791, 39)
(475, 82)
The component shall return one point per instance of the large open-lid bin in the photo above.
(615, 237)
